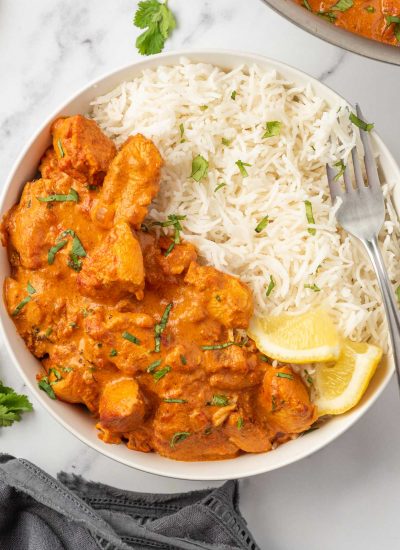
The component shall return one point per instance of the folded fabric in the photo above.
(37, 512)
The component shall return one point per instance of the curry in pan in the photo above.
(376, 19)
(131, 325)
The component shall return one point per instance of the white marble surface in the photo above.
(346, 496)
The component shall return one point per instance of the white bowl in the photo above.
(73, 418)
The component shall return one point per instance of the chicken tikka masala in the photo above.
(376, 19)
(131, 324)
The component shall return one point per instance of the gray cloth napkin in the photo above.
(38, 512)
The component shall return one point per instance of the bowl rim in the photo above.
(317, 26)
(173, 57)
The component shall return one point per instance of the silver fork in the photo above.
(362, 214)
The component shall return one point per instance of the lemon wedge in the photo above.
(340, 386)
(306, 338)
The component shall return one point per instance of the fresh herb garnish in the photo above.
(203, 107)
(226, 142)
(73, 324)
(310, 217)
(219, 186)
(154, 365)
(218, 401)
(72, 196)
(161, 373)
(183, 360)
(370, 9)
(241, 165)
(199, 168)
(328, 15)
(262, 224)
(45, 386)
(171, 400)
(12, 405)
(48, 332)
(307, 5)
(53, 251)
(272, 128)
(366, 126)
(342, 167)
(77, 251)
(313, 287)
(30, 288)
(22, 303)
(308, 377)
(392, 19)
(233, 95)
(131, 338)
(264, 358)
(343, 5)
(396, 20)
(173, 220)
(160, 327)
(113, 352)
(67, 369)
(159, 21)
(56, 373)
(169, 249)
(60, 148)
(177, 438)
(222, 346)
(240, 423)
(284, 375)
(271, 286)
(182, 131)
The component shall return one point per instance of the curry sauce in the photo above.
(376, 19)
(127, 321)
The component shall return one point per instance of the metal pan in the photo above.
(333, 34)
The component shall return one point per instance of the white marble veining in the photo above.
(346, 496)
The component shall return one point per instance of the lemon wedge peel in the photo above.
(307, 338)
(354, 369)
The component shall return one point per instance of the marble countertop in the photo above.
(345, 496)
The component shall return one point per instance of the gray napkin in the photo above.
(38, 512)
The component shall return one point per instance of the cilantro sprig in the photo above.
(12, 405)
(159, 22)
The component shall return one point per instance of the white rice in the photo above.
(285, 171)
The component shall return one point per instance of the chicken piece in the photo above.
(163, 270)
(229, 301)
(122, 407)
(189, 435)
(115, 268)
(76, 386)
(246, 434)
(285, 402)
(30, 227)
(131, 183)
(119, 339)
(82, 150)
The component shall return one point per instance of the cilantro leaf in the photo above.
(343, 5)
(199, 168)
(159, 21)
(12, 405)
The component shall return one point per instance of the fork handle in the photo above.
(389, 299)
